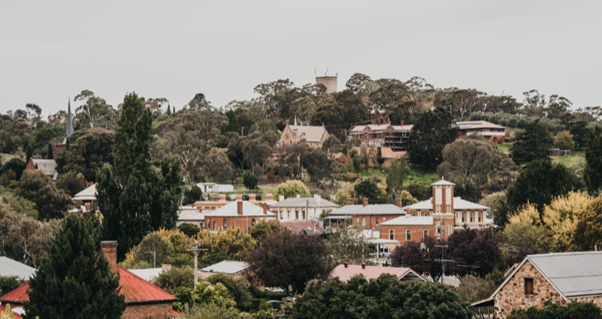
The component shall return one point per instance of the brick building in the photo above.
(492, 132)
(143, 300)
(559, 277)
(302, 208)
(48, 166)
(366, 215)
(239, 214)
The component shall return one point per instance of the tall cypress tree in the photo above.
(74, 279)
(532, 144)
(133, 196)
(593, 156)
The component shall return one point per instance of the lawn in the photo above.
(577, 159)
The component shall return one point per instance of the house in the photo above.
(313, 136)
(228, 267)
(190, 215)
(382, 134)
(48, 166)
(143, 299)
(150, 274)
(303, 227)
(215, 188)
(345, 272)
(238, 214)
(438, 216)
(368, 216)
(302, 208)
(387, 154)
(9, 267)
(87, 197)
(492, 132)
(559, 277)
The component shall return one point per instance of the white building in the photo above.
(215, 188)
(302, 208)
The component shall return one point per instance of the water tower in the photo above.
(330, 82)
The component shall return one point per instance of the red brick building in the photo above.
(143, 299)
(239, 214)
(492, 132)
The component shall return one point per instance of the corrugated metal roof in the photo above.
(304, 201)
(309, 133)
(9, 267)
(375, 209)
(573, 274)
(410, 221)
(227, 267)
(48, 166)
(459, 204)
(18, 295)
(148, 274)
(87, 194)
(468, 125)
(373, 272)
(443, 182)
(231, 209)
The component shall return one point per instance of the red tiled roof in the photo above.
(138, 290)
(370, 272)
(134, 288)
(3, 308)
(18, 295)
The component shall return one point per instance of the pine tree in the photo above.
(532, 144)
(593, 155)
(74, 279)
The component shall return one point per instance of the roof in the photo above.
(402, 127)
(305, 226)
(443, 182)
(459, 204)
(410, 221)
(132, 287)
(138, 290)
(48, 166)
(373, 209)
(148, 274)
(87, 194)
(304, 201)
(192, 216)
(472, 125)
(373, 272)
(16, 315)
(388, 153)
(9, 267)
(231, 209)
(309, 133)
(227, 267)
(348, 210)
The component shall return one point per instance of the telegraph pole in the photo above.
(195, 250)
(443, 260)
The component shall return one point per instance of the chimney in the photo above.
(265, 208)
(365, 202)
(252, 197)
(280, 198)
(222, 197)
(363, 265)
(166, 267)
(269, 197)
(109, 248)
(350, 201)
(401, 123)
(346, 265)
(239, 210)
(398, 201)
(238, 197)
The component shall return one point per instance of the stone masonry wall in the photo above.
(148, 311)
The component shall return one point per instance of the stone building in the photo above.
(48, 166)
(313, 136)
(559, 277)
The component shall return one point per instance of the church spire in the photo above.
(69, 120)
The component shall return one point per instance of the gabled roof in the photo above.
(148, 274)
(459, 204)
(373, 209)
(303, 202)
(48, 166)
(133, 288)
(227, 267)
(303, 226)
(472, 125)
(9, 267)
(312, 134)
(410, 221)
(373, 272)
(388, 153)
(231, 210)
(443, 182)
(87, 194)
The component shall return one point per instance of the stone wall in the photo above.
(513, 296)
(148, 311)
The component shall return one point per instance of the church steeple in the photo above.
(69, 120)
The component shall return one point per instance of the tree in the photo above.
(264, 228)
(8, 283)
(212, 312)
(133, 196)
(192, 195)
(532, 144)
(474, 251)
(189, 229)
(385, 297)
(317, 164)
(291, 188)
(50, 201)
(432, 131)
(421, 256)
(356, 81)
(289, 261)
(550, 310)
(368, 189)
(347, 244)
(379, 157)
(593, 157)
(249, 180)
(218, 167)
(397, 172)
(562, 216)
(237, 289)
(588, 229)
(88, 152)
(233, 125)
(526, 231)
(539, 182)
(94, 112)
(473, 289)
(564, 140)
(74, 279)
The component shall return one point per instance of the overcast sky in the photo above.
(52, 50)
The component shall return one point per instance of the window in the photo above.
(384, 219)
(425, 233)
(391, 234)
(479, 217)
(471, 215)
(214, 225)
(376, 220)
(414, 214)
(408, 235)
(438, 229)
(296, 214)
(303, 214)
(357, 220)
(438, 208)
(463, 217)
(363, 221)
(225, 223)
(448, 208)
(208, 223)
(449, 230)
(426, 214)
(528, 286)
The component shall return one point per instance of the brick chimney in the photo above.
(363, 265)
(222, 197)
(252, 197)
(238, 197)
(269, 197)
(401, 123)
(239, 208)
(265, 208)
(398, 201)
(346, 265)
(109, 247)
(365, 202)
(350, 201)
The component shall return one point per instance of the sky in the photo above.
(52, 50)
